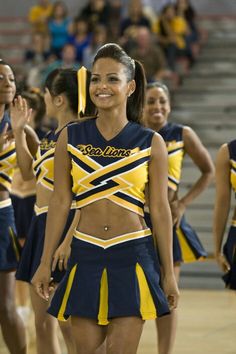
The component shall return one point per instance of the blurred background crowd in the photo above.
(163, 35)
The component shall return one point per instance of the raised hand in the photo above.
(20, 114)
(6, 138)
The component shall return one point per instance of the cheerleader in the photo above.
(225, 184)
(180, 140)
(61, 99)
(112, 284)
(12, 327)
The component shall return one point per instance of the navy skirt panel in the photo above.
(33, 249)
(186, 244)
(230, 254)
(9, 246)
(23, 211)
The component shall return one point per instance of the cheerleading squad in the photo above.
(88, 197)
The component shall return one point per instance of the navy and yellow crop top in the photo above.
(232, 156)
(173, 135)
(43, 164)
(116, 169)
(7, 157)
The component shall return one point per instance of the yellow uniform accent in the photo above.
(113, 241)
(7, 166)
(45, 162)
(175, 159)
(131, 181)
(103, 303)
(67, 294)
(13, 241)
(233, 174)
(147, 306)
(187, 253)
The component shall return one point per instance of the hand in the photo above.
(171, 291)
(61, 256)
(20, 114)
(6, 138)
(222, 262)
(177, 210)
(42, 282)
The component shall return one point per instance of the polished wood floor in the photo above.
(207, 325)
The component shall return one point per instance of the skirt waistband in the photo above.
(113, 241)
(5, 203)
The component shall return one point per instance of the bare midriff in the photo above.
(105, 219)
(43, 196)
(4, 194)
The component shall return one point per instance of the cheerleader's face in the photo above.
(157, 107)
(7, 85)
(109, 88)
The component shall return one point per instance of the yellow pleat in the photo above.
(187, 253)
(15, 247)
(82, 78)
(103, 304)
(147, 306)
(61, 312)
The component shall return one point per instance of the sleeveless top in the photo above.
(173, 136)
(116, 169)
(43, 164)
(7, 157)
(232, 156)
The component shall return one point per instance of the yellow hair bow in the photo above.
(82, 88)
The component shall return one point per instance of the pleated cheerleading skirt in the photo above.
(33, 248)
(230, 254)
(112, 278)
(186, 245)
(9, 246)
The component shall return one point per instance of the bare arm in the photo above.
(62, 253)
(160, 213)
(222, 202)
(59, 207)
(201, 158)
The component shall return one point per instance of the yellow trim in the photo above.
(82, 79)
(40, 210)
(172, 185)
(233, 223)
(147, 306)
(187, 253)
(61, 312)
(5, 203)
(113, 241)
(103, 303)
(13, 239)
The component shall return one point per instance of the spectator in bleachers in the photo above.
(80, 37)
(35, 59)
(186, 10)
(67, 61)
(96, 11)
(172, 31)
(39, 15)
(149, 53)
(99, 38)
(59, 27)
(135, 18)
